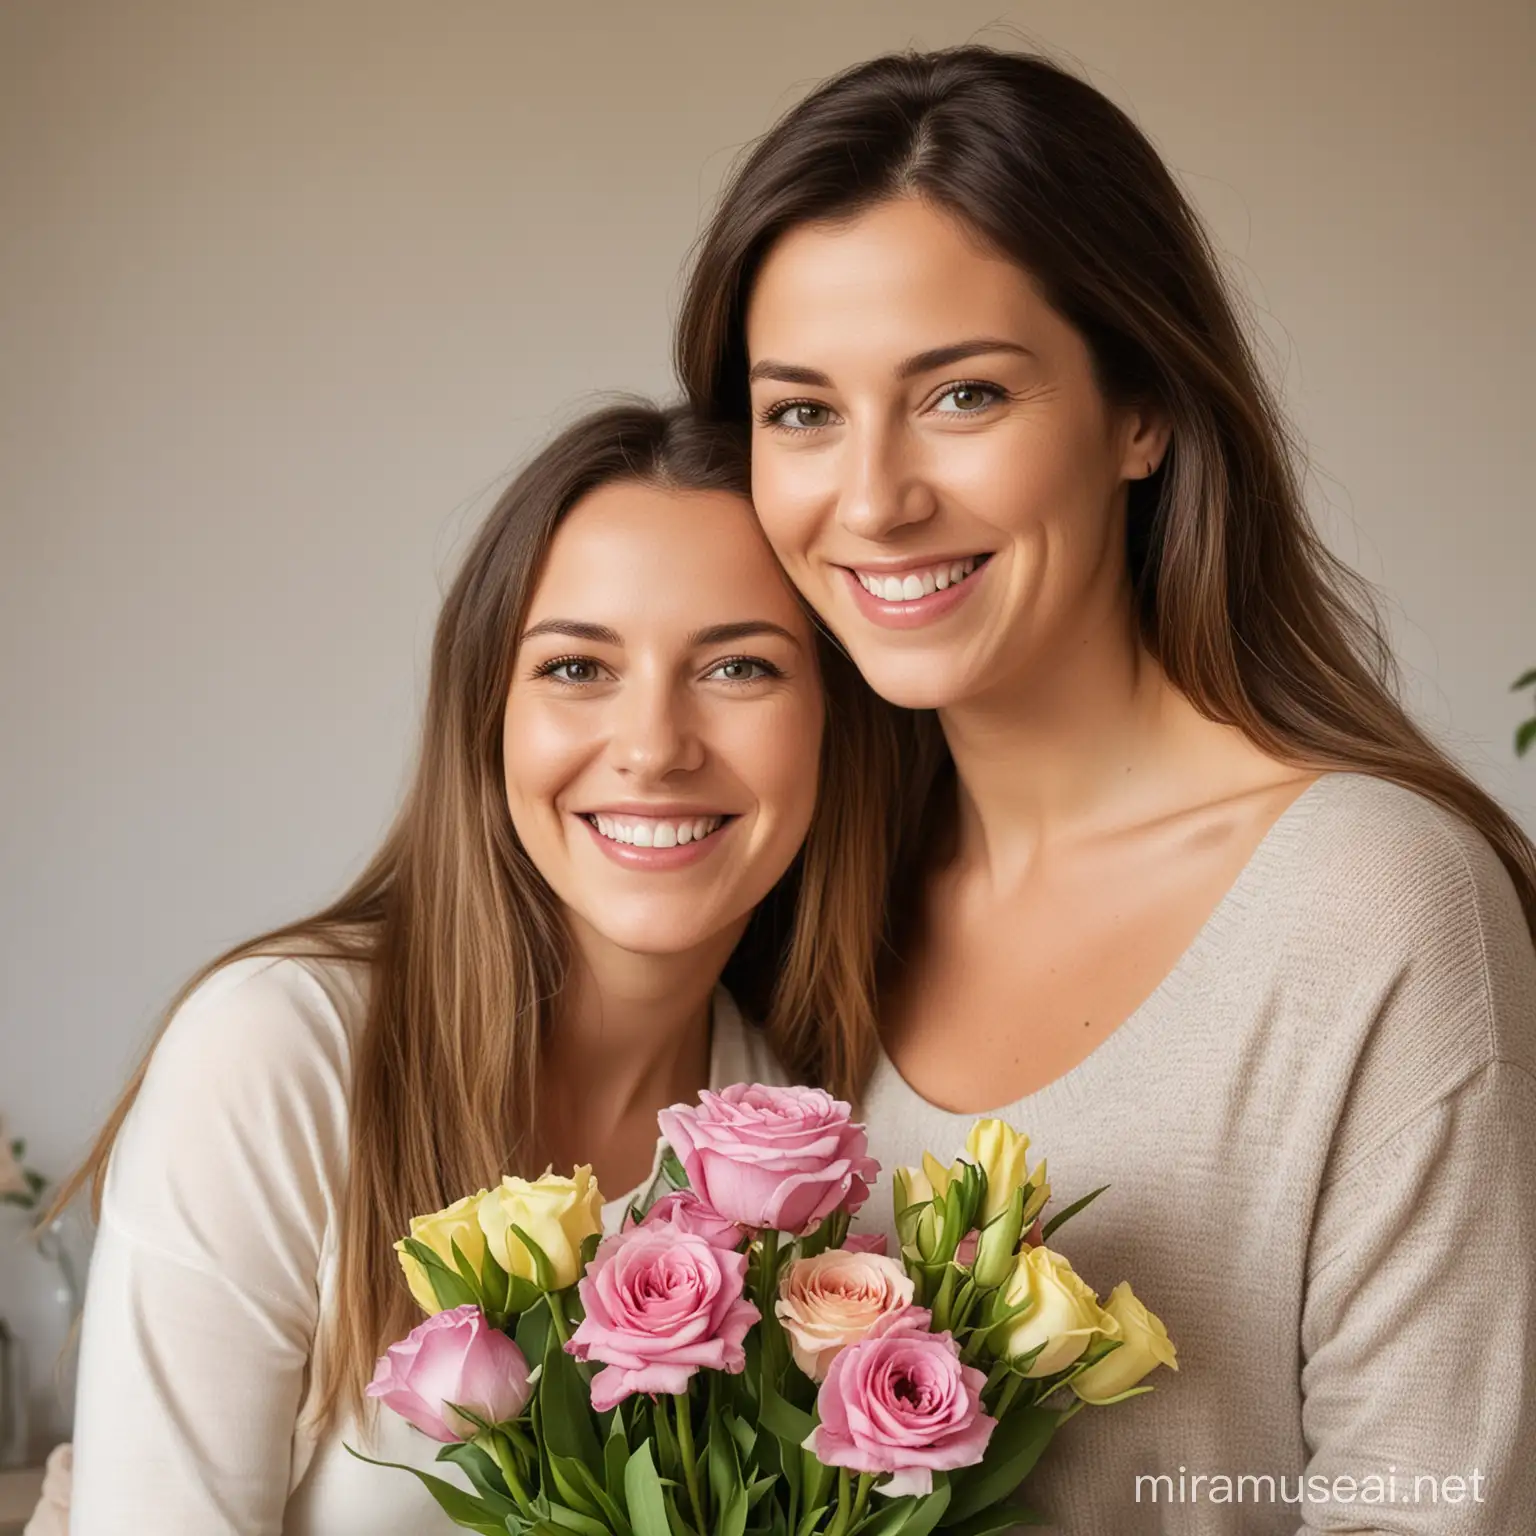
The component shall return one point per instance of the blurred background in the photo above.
(285, 290)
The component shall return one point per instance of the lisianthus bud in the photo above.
(559, 1214)
(1062, 1316)
(1000, 1152)
(454, 1358)
(1145, 1345)
(458, 1224)
(997, 1243)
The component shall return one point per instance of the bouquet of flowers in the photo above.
(735, 1361)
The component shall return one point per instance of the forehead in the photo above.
(901, 274)
(647, 555)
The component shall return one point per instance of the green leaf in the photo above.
(809, 1523)
(616, 1454)
(462, 1508)
(990, 1522)
(724, 1467)
(569, 1487)
(532, 1335)
(1524, 737)
(598, 1494)
(1071, 1211)
(447, 1284)
(888, 1520)
(565, 1406)
(672, 1168)
(931, 1509)
(541, 1264)
(481, 1469)
(574, 1520)
(1016, 1445)
(1525, 680)
(643, 1495)
(783, 1420)
(732, 1520)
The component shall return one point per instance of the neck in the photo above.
(1081, 740)
(631, 1035)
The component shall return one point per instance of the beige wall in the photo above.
(285, 288)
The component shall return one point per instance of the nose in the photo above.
(654, 734)
(883, 488)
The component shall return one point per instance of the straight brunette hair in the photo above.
(464, 944)
(1250, 615)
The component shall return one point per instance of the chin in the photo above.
(914, 680)
(653, 934)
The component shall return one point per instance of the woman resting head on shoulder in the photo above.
(642, 770)
(1193, 901)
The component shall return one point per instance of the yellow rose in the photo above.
(1000, 1152)
(1063, 1313)
(1145, 1345)
(457, 1224)
(558, 1213)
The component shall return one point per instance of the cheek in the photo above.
(541, 751)
(793, 498)
(776, 754)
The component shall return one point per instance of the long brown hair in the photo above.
(1247, 611)
(463, 941)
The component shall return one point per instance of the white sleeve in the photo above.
(204, 1290)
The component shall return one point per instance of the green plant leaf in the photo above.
(447, 1284)
(565, 1407)
(931, 1509)
(542, 1268)
(460, 1507)
(1524, 681)
(643, 1495)
(732, 1520)
(672, 1168)
(1016, 1445)
(481, 1469)
(1524, 737)
(1070, 1212)
(783, 1420)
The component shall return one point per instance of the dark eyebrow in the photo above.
(724, 634)
(715, 634)
(922, 362)
(957, 352)
(574, 629)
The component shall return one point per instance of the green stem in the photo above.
(866, 1482)
(1010, 1391)
(501, 1452)
(690, 1460)
(561, 1331)
(840, 1519)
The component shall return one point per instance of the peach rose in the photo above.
(835, 1299)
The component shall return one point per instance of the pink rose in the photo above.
(682, 1208)
(661, 1303)
(865, 1242)
(779, 1158)
(835, 1299)
(455, 1357)
(900, 1401)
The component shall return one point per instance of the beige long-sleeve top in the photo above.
(215, 1265)
(1319, 1135)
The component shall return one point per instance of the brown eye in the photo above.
(967, 399)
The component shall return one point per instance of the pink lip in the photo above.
(913, 615)
(627, 856)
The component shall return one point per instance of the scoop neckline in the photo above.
(1226, 919)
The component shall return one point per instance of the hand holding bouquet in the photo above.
(735, 1361)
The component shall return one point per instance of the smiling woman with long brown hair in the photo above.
(1193, 900)
(641, 769)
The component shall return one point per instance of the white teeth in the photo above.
(650, 832)
(917, 584)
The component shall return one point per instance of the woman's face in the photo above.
(663, 724)
(932, 457)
